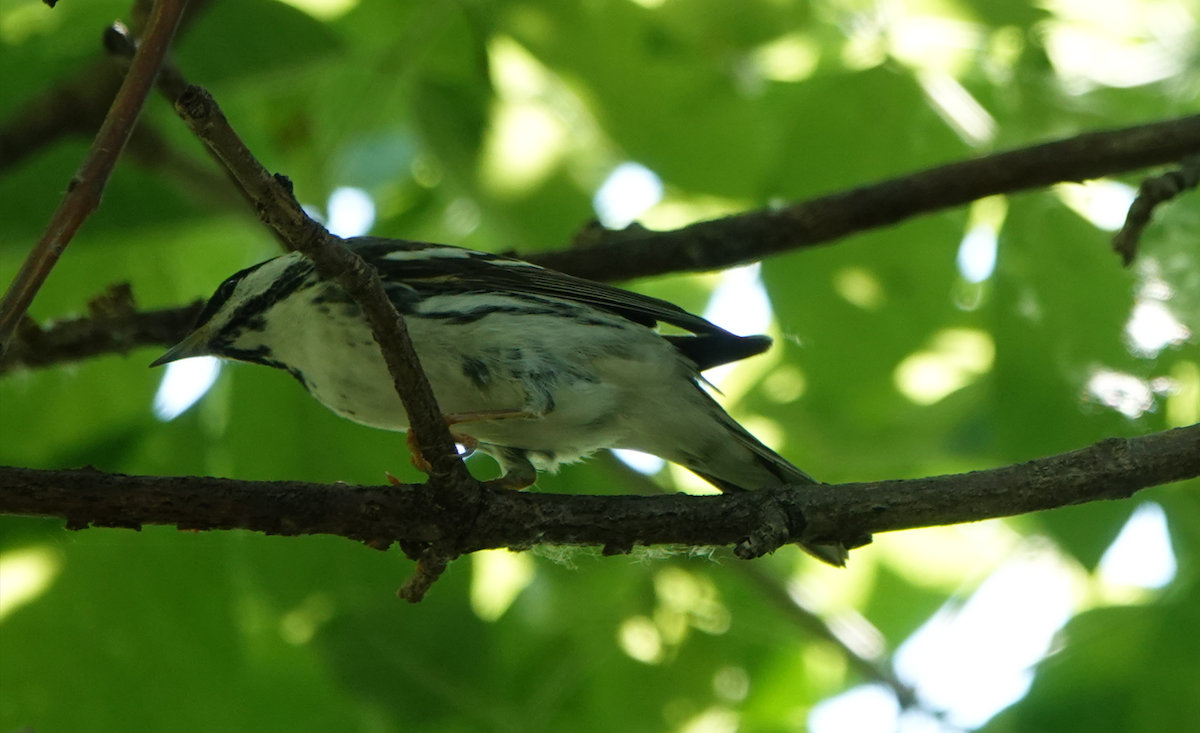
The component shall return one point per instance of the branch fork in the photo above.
(277, 207)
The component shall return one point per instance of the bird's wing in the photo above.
(440, 268)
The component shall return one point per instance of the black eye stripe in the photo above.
(249, 314)
(224, 291)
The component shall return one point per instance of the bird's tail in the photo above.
(748, 464)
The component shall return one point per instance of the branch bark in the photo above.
(76, 104)
(105, 331)
(85, 189)
(1115, 468)
(742, 238)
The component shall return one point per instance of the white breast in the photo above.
(585, 375)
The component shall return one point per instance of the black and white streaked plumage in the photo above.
(579, 361)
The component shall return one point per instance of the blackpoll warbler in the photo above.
(531, 366)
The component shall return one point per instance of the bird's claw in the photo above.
(466, 441)
(416, 456)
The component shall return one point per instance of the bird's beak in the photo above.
(196, 344)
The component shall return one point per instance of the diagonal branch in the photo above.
(279, 210)
(85, 189)
(1111, 469)
(76, 104)
(753, 235)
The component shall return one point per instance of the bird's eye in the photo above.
(223, 294)
(218, 299)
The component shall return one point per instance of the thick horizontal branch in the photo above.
(1112, 469)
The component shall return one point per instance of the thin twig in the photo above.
(1153, 191)
(85, 189)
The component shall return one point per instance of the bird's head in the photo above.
(234, 322)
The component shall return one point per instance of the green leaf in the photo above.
(256, 37)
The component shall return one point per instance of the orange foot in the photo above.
(418, 459)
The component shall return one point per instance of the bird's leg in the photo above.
(418, 458)
(415, 455)
(517, 471)
(466, 441)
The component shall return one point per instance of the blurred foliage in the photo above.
(492, 125)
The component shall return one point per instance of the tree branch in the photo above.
(1154, 191)
(112, 326)
(753, 235)
(85, 189)
(1111, 469)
